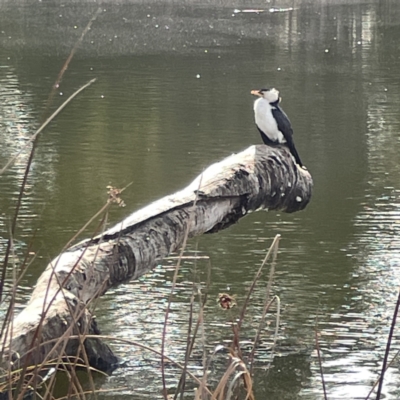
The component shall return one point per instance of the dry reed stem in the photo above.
(14, 221)
(320, 359)
(33, 140)
(256, 278)
(200, 325)
(191, 340)
(98, 391)
(44, 125)
(12, 305)
(121, 340)
(9, 316)
(175, 277)
(182, 381)
(236, 353)
(377, 381)
(81, 346)
(70, 57)
(219, 390)
(52, 365)
(58, 341)
(277, 323)
(388, 344)
(223, 391)
(64, 338)
(267, 301)
(13, 226)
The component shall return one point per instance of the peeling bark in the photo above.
(260, 177)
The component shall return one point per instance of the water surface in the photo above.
(171, 97)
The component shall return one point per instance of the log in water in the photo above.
(260, 177)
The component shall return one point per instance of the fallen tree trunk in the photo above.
(260, 177)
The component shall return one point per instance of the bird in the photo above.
(272, 122)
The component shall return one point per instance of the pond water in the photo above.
(172, 96)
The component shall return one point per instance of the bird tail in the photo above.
(294, 152)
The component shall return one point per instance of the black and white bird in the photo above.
(272, 122)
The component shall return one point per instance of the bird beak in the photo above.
(256, 93)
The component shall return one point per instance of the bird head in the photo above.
(271, 95)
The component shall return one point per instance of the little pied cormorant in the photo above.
(272, 122)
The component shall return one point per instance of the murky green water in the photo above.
(171, 97)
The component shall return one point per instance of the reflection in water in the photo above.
(16, 124)
(355, 338)
(18, 121)
(172, 96)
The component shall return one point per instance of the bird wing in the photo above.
(285, 127)
(282, 121)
